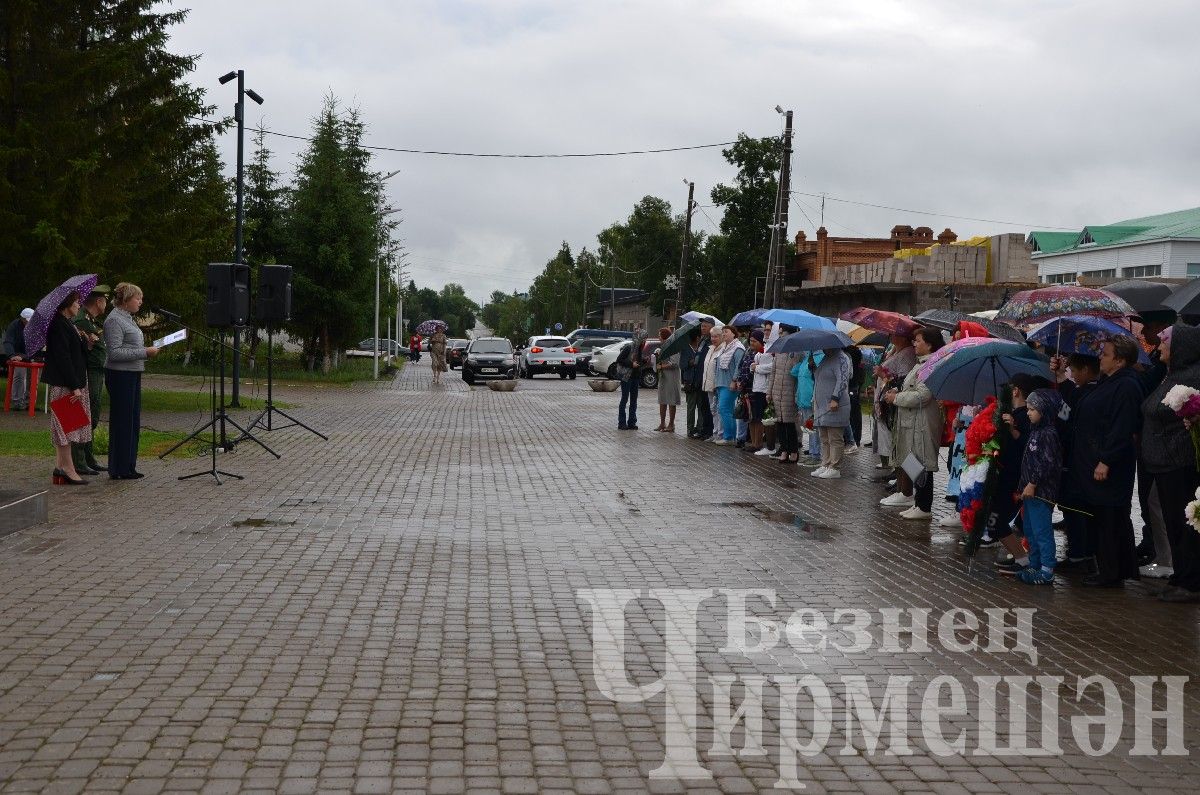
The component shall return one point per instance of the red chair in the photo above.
(35, 369)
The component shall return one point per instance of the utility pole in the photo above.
(687, 240)
(612, 296)
(785, 193)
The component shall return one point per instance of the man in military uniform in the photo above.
(90, 323)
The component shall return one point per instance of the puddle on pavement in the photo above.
(259, 523)
(799, 522)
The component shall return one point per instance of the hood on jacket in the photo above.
(1185, 347)
(1046, 402)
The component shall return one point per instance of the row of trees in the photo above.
(645, 248)
(107, 166)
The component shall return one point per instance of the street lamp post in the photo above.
(378, 260)
(239, 113)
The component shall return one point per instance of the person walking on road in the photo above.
(437, 355)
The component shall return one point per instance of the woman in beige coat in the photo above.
(918, 431)
(782, 396)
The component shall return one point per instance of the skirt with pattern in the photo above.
(78, 436)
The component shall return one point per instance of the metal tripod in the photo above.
(263, 420)
(219, 419)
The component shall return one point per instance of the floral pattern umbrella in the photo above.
(428, 327)
(1030, 307)
(880, 320)
(39, 324)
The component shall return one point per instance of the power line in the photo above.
(931, 212)
(446, 153)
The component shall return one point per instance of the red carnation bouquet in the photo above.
(979, 479)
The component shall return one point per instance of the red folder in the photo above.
(70, 413)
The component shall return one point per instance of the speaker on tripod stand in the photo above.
(273, 307)
(227, 305)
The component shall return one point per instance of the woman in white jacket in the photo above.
(762, 367)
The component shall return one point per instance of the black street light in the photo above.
(239, 113)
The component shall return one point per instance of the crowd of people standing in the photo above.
(1078, 445)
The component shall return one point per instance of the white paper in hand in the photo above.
(173, 337)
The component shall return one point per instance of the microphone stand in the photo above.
(219, 417)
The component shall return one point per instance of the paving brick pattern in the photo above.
(396, 610)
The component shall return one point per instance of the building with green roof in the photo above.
(1166, 245)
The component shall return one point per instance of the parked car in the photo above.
(489, 357)
(578, 334)
(587, 346)
(547, 355)
(386, 347)
(604, 362)
(456, 350)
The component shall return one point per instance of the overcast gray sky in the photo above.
(1043, 112)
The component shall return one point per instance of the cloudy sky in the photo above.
(1043, 113)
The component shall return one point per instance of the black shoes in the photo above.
(60, 478)
(127, 476)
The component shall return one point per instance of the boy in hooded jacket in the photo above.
(1041, 470)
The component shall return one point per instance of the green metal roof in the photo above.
(1046, 242)
(1178, 224)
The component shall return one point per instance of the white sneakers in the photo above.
(950, 520)
(915, 513)
(1155, 571)
(851, 449)
(829, 473)
(897, 500)
(765, 451)
(816, 473)
(722, 441)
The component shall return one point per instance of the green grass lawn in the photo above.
(287, 369)
(151, 443)
(183, 400)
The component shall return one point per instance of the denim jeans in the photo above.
(714, 413)
(1039, 531)
(725, 400)
(629, 396)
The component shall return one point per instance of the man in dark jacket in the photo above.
(688, 365)
(1085, 371)
(1169, 459)
(1103, 460)
(704, 425)
(14, 351)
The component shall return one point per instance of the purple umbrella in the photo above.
(39, 324)
(428, 327)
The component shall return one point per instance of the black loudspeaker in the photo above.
(228, 301)
(274, 303)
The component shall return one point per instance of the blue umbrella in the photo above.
(810, 339)
(799, 318)
(751, 317)
(1084, 334)
(970, 375)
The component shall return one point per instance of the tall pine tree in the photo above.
(103, 166)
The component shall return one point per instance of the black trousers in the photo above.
(789, 438)
(1116, 555)
(124, 420)
(1176, 489)
(923, 491)
(856, 417)
(705, 425)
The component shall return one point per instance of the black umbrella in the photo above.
(1142, 295)
(948, 320)
(1185, 300)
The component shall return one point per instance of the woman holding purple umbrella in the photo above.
(66, 374)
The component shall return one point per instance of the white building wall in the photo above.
(1172, 256)
(1182, 252)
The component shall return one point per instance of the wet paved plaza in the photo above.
(414, 604)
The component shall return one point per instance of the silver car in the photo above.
(547, 355)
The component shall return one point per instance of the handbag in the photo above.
(739, 410)
(623, 373)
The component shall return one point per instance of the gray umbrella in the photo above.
(948, 320)
(1142, 295)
